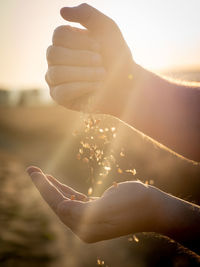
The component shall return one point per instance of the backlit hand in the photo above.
(90, 69)
(123, 209)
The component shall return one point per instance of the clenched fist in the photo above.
(90, 69)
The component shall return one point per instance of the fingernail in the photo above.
(32, 169)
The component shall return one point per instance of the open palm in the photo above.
(123, 209)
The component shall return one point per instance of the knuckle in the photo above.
(58, 32)
(50, 54)
(140, 185)
(52, 75)
(136, 185)
(84, 6)
(46, 77)
(112, 23)
(143, 189)
(111, 27)
(59, 29)
(52, 93)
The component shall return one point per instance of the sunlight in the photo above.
(160, 35)
(65, 144)
(101, 151)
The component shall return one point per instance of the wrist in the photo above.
(156, 203)
(168, 212)
(176, 218)
(125, 90)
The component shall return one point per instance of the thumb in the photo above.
(88, 16)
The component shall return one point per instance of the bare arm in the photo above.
(126, 208)
(167, 112)
(96, 64)
(180, 219)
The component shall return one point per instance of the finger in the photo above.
(31, 169)
(88, 16)
(50, 194)
(81, 212)
(57, 55)
(74, 38)
(66, 190)
(67, 92)
(64, 74)
(87, 220)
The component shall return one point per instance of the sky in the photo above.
(161, 35)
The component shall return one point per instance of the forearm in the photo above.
(178, 219)
(169, 171)
(167, 112)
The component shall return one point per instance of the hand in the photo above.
(123, 209)
(91, 69)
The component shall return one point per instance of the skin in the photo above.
(92, 70)
(125, 208)
(102, 73)
(95, 219)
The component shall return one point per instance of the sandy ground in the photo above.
(30, 234)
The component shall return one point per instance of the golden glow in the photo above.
(160, 34)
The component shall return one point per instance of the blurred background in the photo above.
(164, 38)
